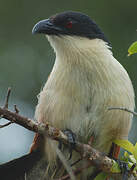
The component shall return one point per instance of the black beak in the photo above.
(46, 27)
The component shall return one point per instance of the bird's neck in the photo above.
(72, 49)
(81, 55)
(80, 63)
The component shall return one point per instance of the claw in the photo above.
(114, 152)
(72, 140)
(124, 169)
(60, 145)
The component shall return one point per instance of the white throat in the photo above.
(75, 45)
(83, 57)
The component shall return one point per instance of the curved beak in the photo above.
(46, 27)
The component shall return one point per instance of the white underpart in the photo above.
(86, 79)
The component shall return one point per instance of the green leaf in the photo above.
(125, 144)
(132, 49)
(125, 157)
(101, 176)
(115, 167)
(132, 159)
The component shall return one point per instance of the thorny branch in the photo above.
(96, 158)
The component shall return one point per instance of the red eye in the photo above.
(69, 24)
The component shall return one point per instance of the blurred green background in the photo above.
(26, 60)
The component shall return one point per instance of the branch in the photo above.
(122, 109)
(7, 124)
(98, 159)
(87, 152)
(7, 99)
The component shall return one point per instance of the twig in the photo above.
(6, 107)
(76, 172)
(7, 99)
(65, 163)
(25, 176)
(1, 116)
(122, 109)
(23, 121)
(132, 168)
(16, 109)
(4, 125)
(76, 162)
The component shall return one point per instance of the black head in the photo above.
(70, 23)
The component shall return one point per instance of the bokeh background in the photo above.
(26, 60)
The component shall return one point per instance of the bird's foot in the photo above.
(114, 153)
(72, 141)
(124, 169)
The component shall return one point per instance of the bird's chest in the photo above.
(65, 101)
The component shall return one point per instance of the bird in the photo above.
(85, 81)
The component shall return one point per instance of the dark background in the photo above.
(26, 60)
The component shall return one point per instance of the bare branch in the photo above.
(1, 116)
(4, 125)
(23, 121)
(7, 99)
(16, 109)
(122, 109)
(132, 168)
(96, 158)
(76, 172)
(65, 163)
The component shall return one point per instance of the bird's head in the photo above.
(69, 27)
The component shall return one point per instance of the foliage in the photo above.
(129, 157)
(101, 176)
(132, 49)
